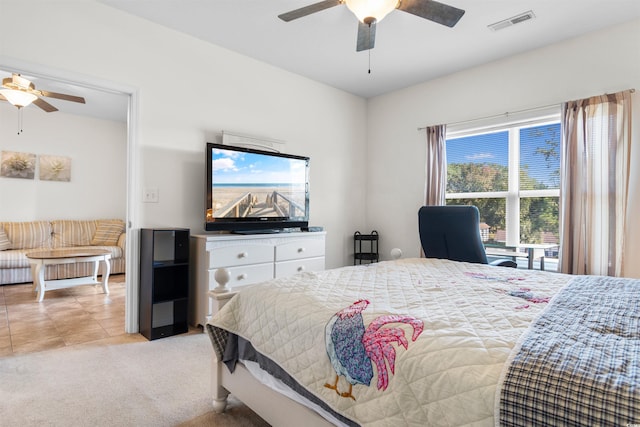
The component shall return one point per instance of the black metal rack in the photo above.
(370, 240)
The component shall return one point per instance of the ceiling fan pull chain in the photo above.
(19, 121)
(369, 50)
(369, 61)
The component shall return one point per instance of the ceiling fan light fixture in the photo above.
(18, 98)
(377, 9)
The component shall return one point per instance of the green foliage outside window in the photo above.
(476, 177)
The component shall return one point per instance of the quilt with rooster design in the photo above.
(406, 342)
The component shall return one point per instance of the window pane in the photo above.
(539, 220)
(478, 163)
(492, 218)
(540, 157)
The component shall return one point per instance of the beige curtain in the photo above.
(596, 143)
(436, 165)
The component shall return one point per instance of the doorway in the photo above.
(122, 100)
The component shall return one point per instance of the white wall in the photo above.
(188, 92)
(97, 149)
(602, 62)
(362, 152)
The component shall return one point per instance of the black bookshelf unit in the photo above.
(370, 251)
(164, 282)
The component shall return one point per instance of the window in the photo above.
(511, 173)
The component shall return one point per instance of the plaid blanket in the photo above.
(579, 363)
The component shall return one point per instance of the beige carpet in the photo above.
(164, 382)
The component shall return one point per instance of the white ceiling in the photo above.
(322, 46)
(99, 104)
(408, 49)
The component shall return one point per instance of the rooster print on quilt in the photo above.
(354, 349)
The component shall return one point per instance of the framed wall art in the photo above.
(17, 165)
(55, 168)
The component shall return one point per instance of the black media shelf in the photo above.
(164, 282)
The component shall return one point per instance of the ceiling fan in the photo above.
(21, 92)
(370, 12)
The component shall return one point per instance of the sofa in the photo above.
(19, 238)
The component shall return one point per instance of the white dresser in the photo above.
(249, 259)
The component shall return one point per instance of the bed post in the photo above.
(222, 276)
(219, 297)
(219, 393)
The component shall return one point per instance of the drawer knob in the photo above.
(300, 249)
(301, 268)
(243, 254)
(242, 276)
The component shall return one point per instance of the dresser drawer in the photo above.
(244, 275)
(242, 254)
(303, 248)
(288, 268)
(249, 259)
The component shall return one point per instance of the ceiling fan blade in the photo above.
(433, 11)
(308, 10)
(45, 105)
(63, 96)
(366, 34)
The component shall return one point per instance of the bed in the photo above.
(431, 342)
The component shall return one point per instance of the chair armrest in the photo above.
(504, 263)
(122, 240)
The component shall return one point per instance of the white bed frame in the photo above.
(275, 408)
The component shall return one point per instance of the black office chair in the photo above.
(453, 232)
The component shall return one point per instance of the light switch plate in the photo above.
(150, 195)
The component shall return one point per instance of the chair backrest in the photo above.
(451, 232)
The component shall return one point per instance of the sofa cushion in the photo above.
(28, 235)
(4, 240)
(14, 258)
(67, 233)
(108, 232)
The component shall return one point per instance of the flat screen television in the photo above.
(255, 191)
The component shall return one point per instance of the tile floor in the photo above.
(66, 317)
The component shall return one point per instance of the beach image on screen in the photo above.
(252, 185)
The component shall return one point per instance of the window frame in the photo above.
(545, 116)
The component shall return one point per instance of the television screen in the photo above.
(250, 189)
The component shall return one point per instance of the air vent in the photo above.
(526, 16)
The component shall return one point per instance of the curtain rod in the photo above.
(505, 114)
